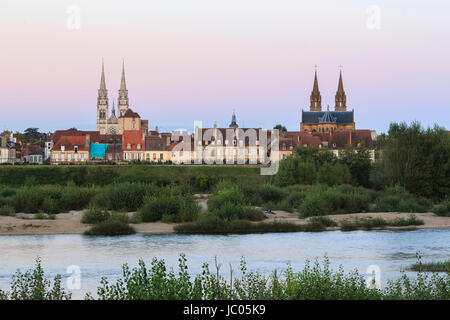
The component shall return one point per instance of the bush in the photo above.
(227, 195)
(110, 228)
(95, 215)
(75, 198)
(321, 201)
(327, 222)
(412, 220)
(262, 193)
(173, 208)
(123, 196)
(397, 199)
(7, 211)
(442, 209)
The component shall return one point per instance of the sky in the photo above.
(203, 59)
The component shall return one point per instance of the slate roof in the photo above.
(314, 117)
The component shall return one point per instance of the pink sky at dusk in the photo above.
(202, 59)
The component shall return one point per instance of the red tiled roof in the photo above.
(71, 141)
(95, 136)
(130, 114)
(131, 139)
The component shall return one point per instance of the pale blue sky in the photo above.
(200, 59)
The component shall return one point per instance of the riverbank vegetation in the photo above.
(411, 176)
(440, 266)
(316, 281)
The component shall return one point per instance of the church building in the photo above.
(126, 118)
(316, 120)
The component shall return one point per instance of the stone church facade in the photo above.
(126, 119)
(316, 120)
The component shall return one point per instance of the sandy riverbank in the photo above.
(70, 223)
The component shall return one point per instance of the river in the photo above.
(390, 251)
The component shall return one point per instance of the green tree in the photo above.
(418, 159)
(280, 127)
(358, 162)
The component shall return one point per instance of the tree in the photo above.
(417, 159)
(358, 162)
(294, 170)
(32, 134)
(280, 127)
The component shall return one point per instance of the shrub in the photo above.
(40, 215)
(7, 211)
(327, 222)
(397, 199)
(174, 208)
(412, 220)
(95, 215)
(34, 285)
(227, 195)
(442, 209)
(334, 200)
(123, 196)
(75, 198)
(110, 228)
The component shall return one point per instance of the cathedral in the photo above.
(126, 118)
(316, 120)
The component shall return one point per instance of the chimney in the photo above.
(156, 129)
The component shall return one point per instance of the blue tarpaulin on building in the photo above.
(98, 150)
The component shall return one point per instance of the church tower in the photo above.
(102, 105)
(341, 98)
(123, 94)
(316, 99)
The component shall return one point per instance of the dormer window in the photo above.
(139, 146)
(75, 149)
(63, 148)
(128, 146)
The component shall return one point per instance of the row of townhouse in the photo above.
(206, 145)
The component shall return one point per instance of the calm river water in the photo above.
(103, 256)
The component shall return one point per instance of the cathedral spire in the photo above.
(341, 98)
(316, 99)
(123, 85)
(102, 103)
(123, 93)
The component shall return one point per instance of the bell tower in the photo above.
(316, 98)
(123, 94)
(341, 98)
(102, 104)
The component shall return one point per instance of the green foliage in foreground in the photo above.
(316, 281)
(33, 285)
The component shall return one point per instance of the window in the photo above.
(173, 155)
(75, 148)
(161, 156)
(128, 146)
(154, 156)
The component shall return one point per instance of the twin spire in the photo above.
(340, 98)
(102, 102)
